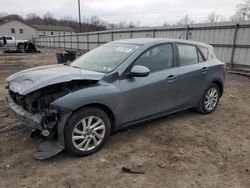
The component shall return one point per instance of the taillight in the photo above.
(224, 66)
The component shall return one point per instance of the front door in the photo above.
(144, 97)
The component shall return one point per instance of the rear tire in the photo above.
(209, 100)
(86, 131)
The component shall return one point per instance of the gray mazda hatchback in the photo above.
(121, 83)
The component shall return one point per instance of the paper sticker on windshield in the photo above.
(123, 49)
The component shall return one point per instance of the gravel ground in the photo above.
(186, 149)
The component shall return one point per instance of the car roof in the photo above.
(145, 41)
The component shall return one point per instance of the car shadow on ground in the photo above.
(129, 132)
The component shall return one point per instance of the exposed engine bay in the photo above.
(38, 101)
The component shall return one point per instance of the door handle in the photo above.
(204, 69)
(171, 78)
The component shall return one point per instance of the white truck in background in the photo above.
(10, 41)
(10, 45)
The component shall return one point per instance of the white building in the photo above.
(53, 30)
(21, 30)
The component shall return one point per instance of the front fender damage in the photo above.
(47, 123)
(53, 145)
(38, 112)
(47, 149)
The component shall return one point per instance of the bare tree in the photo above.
(242, 11)
(165, 24)
(32, 18)
(49, 19)
(213, 17)
(13, 17)
(111, 26)
(131, 24)
(138, 23)
(124, 24)
(121, 25)
(92, 24)
(2, 16)
(185, 21)
(94, 20)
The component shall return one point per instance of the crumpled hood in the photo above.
(36, 78)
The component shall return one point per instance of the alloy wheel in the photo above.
(88, 133)
(211, 99)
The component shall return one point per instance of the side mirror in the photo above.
(139, 71)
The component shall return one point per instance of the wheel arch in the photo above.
(66, 117)
(103, 107)
(220, 86)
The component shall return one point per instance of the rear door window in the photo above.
(188, 54)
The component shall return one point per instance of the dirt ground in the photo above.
(186, 149)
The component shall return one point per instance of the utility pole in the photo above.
(79, 11)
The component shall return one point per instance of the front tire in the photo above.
(86, 131)
(210, 99)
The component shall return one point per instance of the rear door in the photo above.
(192, 75)
(154, 94)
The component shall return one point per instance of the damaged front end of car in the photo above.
(37, 112)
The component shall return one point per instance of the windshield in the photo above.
(106, 57)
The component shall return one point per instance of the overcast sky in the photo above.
(147, 12)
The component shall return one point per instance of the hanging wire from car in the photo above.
(181, 35)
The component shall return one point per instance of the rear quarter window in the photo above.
(204, 52)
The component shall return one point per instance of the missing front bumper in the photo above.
(50, 146)
(41, 121)
(33, 121)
